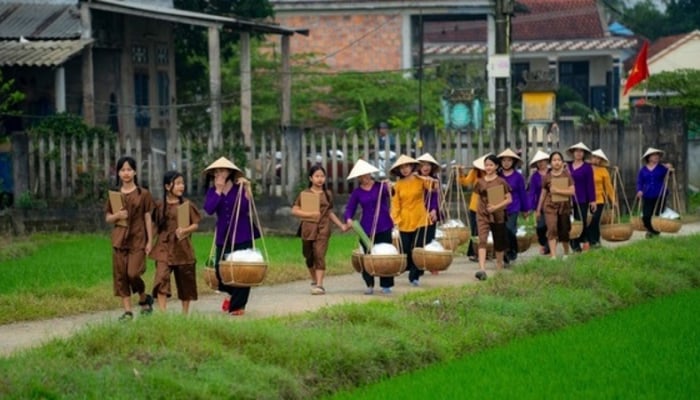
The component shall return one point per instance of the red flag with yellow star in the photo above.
(640, 71)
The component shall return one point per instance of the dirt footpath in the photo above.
(277, 300)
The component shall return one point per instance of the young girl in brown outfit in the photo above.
(557, 212)
(131, 243)
(491, 216)
(316, 230)
(173, 251)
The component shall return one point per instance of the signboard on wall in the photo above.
(538, 106)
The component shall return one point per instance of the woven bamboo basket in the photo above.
(524, 243)
(576, 229)
(606, 217)
(356, 260)
(431, 260)
(243, 274)
(384, 265)
(616, 232)
(449, 240)
(210, 278)
(462, 233)
(666, 225)
(637, 224)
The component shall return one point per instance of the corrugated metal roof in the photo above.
(39, 21)
(542, 46)
(44, 53)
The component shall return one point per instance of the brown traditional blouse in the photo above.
(168, 248)
(321, 229)
(548, 206)
(481, 188)
(138, 202)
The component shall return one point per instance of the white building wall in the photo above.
(686, 55)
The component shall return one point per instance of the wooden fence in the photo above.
(277, 163)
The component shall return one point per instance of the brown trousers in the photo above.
(185, 280)
(128, 265)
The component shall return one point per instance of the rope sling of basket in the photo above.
(235, 217)
(445, 199)
(375, 219)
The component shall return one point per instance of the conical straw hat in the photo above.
(429, 159)
(479, 162)
(539, 156)
(650, 151)
(510, 153)
(360, 168)
(403, 159)
(578, 145)
(599, 153)
(222, 162)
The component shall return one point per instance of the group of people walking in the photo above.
(410, 204)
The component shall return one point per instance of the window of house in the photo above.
(141, 115)
(575, 76)
(517, 70)
(163, 94)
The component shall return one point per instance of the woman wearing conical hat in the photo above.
(540, 163)
(604, 193)
(222, 199)
(469, 180)
(375, 200)
(408, 209)
(429, 167)
(510, 162)
(650, 184)
(584, 199)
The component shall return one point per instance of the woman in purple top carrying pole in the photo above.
(650, 186)
(376, 222)
(509, 162)
(540, 162)
(221, 199)
(584, 184)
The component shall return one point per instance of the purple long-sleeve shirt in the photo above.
(584, 183)
(224, 206)
(367, 199)
(534, 190)
(651, 182)
(518, 193)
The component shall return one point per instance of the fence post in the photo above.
(292, 141)
(20, 163)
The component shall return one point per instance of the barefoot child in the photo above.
(173, 251)
(315, 230)
(131, 241)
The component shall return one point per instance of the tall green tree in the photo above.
(679, 88)
(9, 98)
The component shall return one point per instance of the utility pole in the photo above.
(504, 9)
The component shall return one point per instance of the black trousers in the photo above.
(594, 227)
(409, 240)
(649, 210)
(541, 229)
(384, 281)
(475, 233)
(239, 295)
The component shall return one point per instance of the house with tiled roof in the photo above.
(669, 53)
(111, 61)
(569, 38)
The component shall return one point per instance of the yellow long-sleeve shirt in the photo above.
(470, 180)
(408, 203)
(603, 185)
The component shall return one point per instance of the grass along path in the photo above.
(315, 354)
(648, 351)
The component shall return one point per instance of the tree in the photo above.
(9, 98)
(679, 88)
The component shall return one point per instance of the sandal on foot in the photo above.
(147, 305)
(127, 316)
(318, 290)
